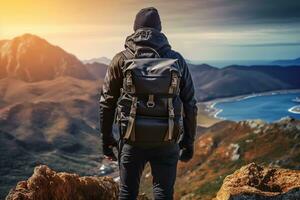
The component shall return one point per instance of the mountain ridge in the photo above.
(211, 83)
(31, 58)
(287, 62)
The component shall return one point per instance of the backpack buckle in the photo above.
(150, 102)
(174, 81)
(129, 79)
(171, 113)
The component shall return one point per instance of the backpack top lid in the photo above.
(152, 66)
(145, 52)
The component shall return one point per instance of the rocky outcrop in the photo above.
(47, 184)
(254, 182)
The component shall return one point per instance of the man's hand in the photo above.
(109, 153)
(108, 145)
(186, 152)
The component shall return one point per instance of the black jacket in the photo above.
(114, 79)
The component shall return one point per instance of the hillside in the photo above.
(102, 60)
(225, 147)
(54, 122)
(251, 182)
(211, 82)
(96, 69)
(219, 151)
(31, 58)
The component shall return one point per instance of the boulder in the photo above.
(254, 182)
(47, 184)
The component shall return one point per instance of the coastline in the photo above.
(295, 109)
(209, 109)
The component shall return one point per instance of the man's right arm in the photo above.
(108, 101)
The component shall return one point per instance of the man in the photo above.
(133, 155)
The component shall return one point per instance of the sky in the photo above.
(199, 29)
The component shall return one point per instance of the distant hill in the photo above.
(211, 82)
(31, 58)
(103, 60)
(98, 70)
(287, 62)
(51, 121)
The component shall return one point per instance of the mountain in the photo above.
(31, 58)
(211, 82)
(287, 62)
(49, 115)
(98, 70)
(103, 60)
(54, 122)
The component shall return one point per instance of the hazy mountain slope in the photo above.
(31, 58)
(289, 75)
(213, 83)
(98, 70)
(287, 62)
(103, 60)
(53, 122)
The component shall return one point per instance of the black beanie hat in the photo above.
(147, 18)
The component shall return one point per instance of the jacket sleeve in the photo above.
(109, 96)
(187, 96)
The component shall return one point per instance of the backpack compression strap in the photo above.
(130, 131)
(172, 90)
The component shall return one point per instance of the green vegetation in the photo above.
(210, 188)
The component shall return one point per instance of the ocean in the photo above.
(269, 107)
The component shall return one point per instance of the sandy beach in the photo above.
(205, 118)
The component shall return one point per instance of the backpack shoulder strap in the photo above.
(128, 54)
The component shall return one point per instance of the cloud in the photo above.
(228, 13)
(284, 44)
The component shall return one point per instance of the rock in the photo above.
(255, 123)
(235, 148)
(286, 120)
(254, 182)
(46, 184)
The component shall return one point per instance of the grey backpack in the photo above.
(149, 108)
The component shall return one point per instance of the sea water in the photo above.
(269, 108)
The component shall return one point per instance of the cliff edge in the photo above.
(48, 184)
(254, 182)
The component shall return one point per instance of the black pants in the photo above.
(163, 162)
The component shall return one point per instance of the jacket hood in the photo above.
(147, 37)
(147, 17)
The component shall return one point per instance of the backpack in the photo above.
(149, 110)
